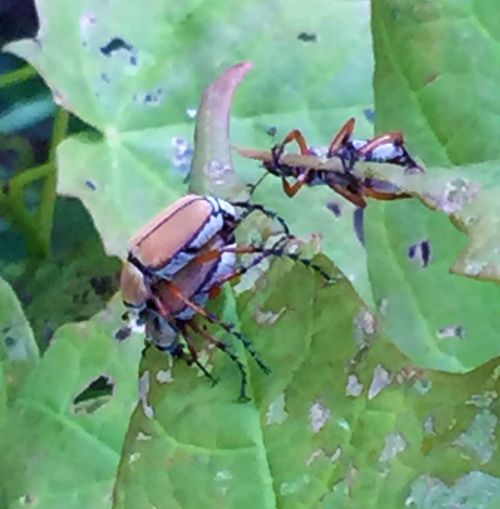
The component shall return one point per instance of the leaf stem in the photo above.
(45, 215)
(37, 229)
(17, 76)
(14, 208)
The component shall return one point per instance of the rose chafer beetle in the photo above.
(175, 237)
(168, 301)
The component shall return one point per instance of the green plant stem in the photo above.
(37, 229)
(48, 196)
(12, 204)
(58, 131)
(30, 175)
(18, 76)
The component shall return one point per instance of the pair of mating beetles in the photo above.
(180, 259)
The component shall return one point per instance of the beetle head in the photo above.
(133, 287)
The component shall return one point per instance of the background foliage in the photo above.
(353, 414)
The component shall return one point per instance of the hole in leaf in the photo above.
(307, 37)
(10, 342)
(420, 252)
(335, 208)
(369, 114)
(94, 396)
(358, 223)
(115, 44)
(123, 333)
(451, 331)
(271, 131)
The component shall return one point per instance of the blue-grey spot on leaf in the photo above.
(335, 208)
(307, 37)
(369, 115)
(115, 44)
(420, 252)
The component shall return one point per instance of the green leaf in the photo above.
(61, 441)
(468, 195)
(142, 79)
(427, 84)
(18, 349)
(73, 285)
(320, 430)
(434, 77)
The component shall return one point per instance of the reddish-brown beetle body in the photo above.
(177, 262)
(195, 281)
(174, 237)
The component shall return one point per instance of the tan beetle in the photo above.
(176, 261)
(172, 305)
(169, 274)
(174, 237)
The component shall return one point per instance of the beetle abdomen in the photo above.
(194, 281)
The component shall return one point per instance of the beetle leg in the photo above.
(277, 150)
(292, 189)
(358, 223)
(265, 253)
(341, 146)
(194, 354)
(370, 190)
(377, 195)
(394, 138)
(355, 197)
(253, 187)
(298, 137)
(223, 347)
(342, 138)
(145, 348)
(228, 327)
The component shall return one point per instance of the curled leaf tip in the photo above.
(212, 169)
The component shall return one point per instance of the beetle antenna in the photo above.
(230, 328)
(253, 187)
(304, 261)
(252, 207)
(278, 251)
